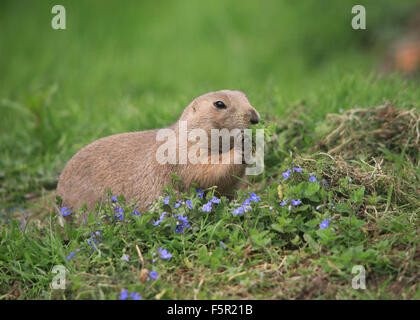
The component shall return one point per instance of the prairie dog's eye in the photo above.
(219, 104)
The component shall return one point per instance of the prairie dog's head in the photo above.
(220, 109)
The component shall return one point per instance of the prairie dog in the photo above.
(127, 164)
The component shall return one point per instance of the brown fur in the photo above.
(126, 163)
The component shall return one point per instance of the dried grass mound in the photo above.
(373, 132)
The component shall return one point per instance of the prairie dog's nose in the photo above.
(255, 116)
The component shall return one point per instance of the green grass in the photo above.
(120, 68)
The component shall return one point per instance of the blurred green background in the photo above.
(134, 65)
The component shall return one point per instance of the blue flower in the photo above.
(177, 204)
(253, 197)
(179, 228)
(297, 169)
(119, 216)
(215, 200)
(200, 193)
(237, 211)
(65, 211)
(162, 216)
(324, 224)
(135, 296)
(247, 202)
(296, 202)
(166, 200)
(286, 174)
(222, 245)
(136, 213)
(153, 275)
(125, 257)
(71, 255)
(114, 198)
(207, 207)
(164, 254)
(183, 224)
(312, 179)
(283, 203)
(189, 203)
(124, 294)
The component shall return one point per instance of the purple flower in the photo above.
(153, 275)
(297, 169)
(114, 198)
(71, 255)
(124, 294)
(65, 211)
(164, 254)
(312, 179)
(296, 202)
(207, 207)
(286, 174)
(177, 204)
(189, 203)
(135, 296)
(222, 245)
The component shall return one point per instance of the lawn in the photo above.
(341, 183)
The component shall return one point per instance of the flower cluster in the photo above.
(246, 205)
(162, 216)
(120, 212)
(133, 295)
(207, 207)
(182, 224)
(93, 240)
(164, 254)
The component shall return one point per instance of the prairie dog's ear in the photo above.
(194, 106)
